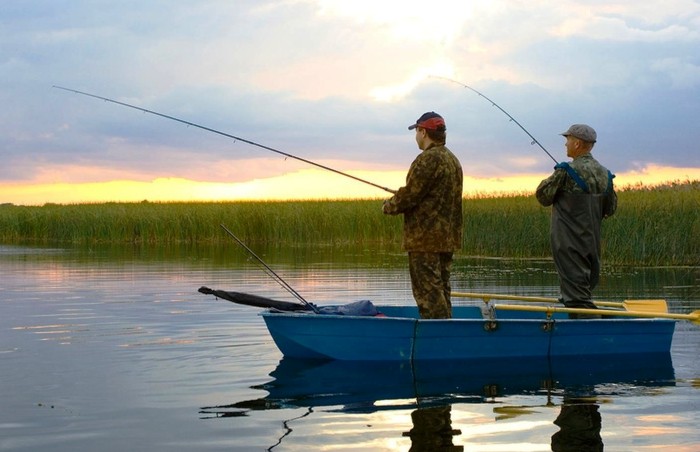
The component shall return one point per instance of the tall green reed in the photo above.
(653, 226)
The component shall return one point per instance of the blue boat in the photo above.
(362, 331)
(400, 335)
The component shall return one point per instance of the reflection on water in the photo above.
(579, 423)
(358, 386)
(432, 430)
(114, 349)
(341, 265)
(430, 389)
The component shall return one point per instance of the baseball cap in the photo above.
(429, 120)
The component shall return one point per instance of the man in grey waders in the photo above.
(581, 194)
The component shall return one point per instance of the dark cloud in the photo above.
(227, 67)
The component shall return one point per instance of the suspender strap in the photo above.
(574, 175)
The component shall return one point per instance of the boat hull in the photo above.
(401, 336)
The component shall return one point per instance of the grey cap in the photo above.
(582, 132)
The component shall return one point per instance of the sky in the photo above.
(336, 82)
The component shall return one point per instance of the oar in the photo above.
(629, 305)
(693, 316)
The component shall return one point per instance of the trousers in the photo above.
(430, 283)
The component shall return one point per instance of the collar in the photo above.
(433, 145)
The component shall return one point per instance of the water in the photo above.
(114, 349)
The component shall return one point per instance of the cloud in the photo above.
(339, 81)
(682, 73)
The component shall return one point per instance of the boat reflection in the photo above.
(431, 388)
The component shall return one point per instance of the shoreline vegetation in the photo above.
(654, 226)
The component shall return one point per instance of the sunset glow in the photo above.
(300, 185)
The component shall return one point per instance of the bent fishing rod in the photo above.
(271, 272)
(208, 129)
(534, 140)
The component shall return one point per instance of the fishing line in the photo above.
(534, 140)
(235, 138)
(271, 272)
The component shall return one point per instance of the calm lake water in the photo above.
(114, 350)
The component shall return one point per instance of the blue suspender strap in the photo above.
(611, 176)
(574, 175)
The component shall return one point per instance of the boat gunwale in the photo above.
(311, 314)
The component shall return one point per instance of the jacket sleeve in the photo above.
(548, 188)
(421, 176)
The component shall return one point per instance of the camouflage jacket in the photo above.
(593, 175)
(431, 202)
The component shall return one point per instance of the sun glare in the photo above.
(410, 25)
(441, 68)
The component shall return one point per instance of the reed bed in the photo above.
(290, 222)
(653, 226)
(658, 225)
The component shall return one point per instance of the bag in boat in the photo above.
(358, 308)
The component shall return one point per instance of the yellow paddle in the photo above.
(693, 316)
(658, 306)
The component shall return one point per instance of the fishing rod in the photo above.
(208, 129)
(271, 272)
(534, 140)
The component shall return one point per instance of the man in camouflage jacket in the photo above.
(431, 203)
(582, 194)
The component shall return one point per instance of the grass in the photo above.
(658, 225)
(653, 225)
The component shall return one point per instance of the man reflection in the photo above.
(432, 430)
(579, 425)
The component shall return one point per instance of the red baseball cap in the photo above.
(429, 120)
